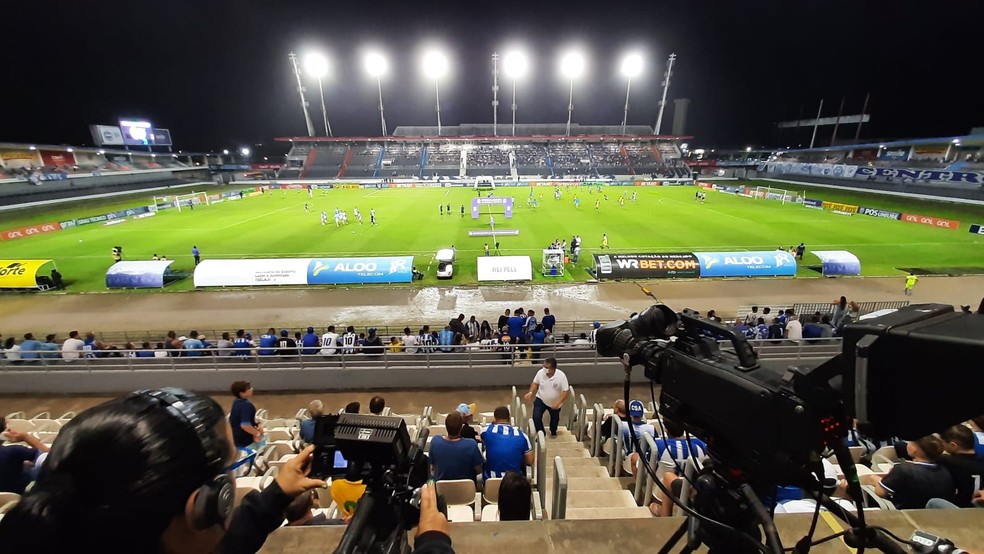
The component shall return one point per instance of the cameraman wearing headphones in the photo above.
(150, 472)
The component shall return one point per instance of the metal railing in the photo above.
(470, 356)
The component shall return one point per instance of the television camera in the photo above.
(768, 424)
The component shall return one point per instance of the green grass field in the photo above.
(663, 219)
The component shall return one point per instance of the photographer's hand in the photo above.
(430, 518)
(293, 477)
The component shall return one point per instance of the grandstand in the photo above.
(541, 151)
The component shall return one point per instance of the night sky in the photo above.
(216, 73)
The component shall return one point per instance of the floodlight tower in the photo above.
(515, 66)
(435, 66)
(495, 94)
(572, 66)
(666, 88)
(316, 66)
(376, 66)
(300, 90)
(631, 67)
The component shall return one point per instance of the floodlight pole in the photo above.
(570, 108)
(514, 108)
(495, 94)
(300, 90)
(324, 110)
(816, 123)
(666, 88)
(382, 118)
(625, 117)
(437, 91)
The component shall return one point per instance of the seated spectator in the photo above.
(192, 346)
(376, 405)
(409, 341)
(794, 329)
(268, 341)
(775, 329)
(507, 448)
(163, 463)
(963, 464)
(977, 426)
(581, 341)
(299, 514)
(315, 408)
(286, 346)
(395, 346)
(160, 351)
(16, 461)
(353, 407)
(173, 343)
(515, 496)
(672, 455)
(468, 412)
(145, 350)
(347, 491)
(30, 348)
(225, 345)
(72, 346)
(373, 345)
(618, 411)
(911, 484)
(49, 349)
(638, 428)
(310, 342)
(453, 458)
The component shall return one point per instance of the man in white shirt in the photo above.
(794, 329)
(329, 342)
(409, 341)
(71, 347)
(551, 389)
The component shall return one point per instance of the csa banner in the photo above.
(746, 264)
(646, 266)
(347, 271)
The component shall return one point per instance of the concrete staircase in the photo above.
(590, 492)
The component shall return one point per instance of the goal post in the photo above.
(191, 200)
(782, 195)
(484, 183)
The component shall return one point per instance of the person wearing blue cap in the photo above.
(310, 342)
(594, 333)
(286, 346)
(639, 428)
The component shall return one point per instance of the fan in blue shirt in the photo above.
(507, 448)
(453, 457)
(267, 341)
(30, 348)
(310, 342)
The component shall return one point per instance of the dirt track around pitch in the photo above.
(60, 313)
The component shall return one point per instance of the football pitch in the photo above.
(662, 219)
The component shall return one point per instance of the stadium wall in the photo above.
(908, 190)
(69, 380)
(23, 193)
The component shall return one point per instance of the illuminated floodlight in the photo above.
(225, 152)
(244, 151)
(632, 65)
(316, 65)
(748, 149)
(101, 152)
(32, 147)
(375, 64)
(515, 64)
(70, 149)
(572, 65)
(435, 65)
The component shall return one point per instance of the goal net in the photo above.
(782, 195)
(484, 183)
(186, 201)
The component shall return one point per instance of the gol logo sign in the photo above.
(32, 230)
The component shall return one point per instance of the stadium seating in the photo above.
(326, 162)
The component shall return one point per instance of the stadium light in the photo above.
(32, 147)
(514, 65)
(748, 149)
(572, 66)
(376, 67)
(70, 149)
(631, 67)
(316, 65)
(225, 152)
(244, 151)
(435, 67)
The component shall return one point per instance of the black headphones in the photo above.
(214, 502)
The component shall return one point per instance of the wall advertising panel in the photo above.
(246, 273)
(343, 271)
(875, 212)
(837, 206)
(15, 157)
(932, 221)
(977, 229)
(746, 264)
(505, 268)
(646, 266)
(21, 274)
(106, 135)
(139, 274)
(31, 230)
(57, 157)
(811, 203)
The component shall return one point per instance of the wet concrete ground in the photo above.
(293, 308)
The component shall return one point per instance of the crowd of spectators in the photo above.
(487, 155)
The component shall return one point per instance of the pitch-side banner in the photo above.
(505, 268)
(139, 274)
(746, 264)
(345, 271)
(646, 266)
(20, 274)
(256, 272)
(977, 229)
(838, 262)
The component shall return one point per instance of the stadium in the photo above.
(440, 266)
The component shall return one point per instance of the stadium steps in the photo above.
(591, 492)
(307, 163)
(379, 162)
(625, 157)
(424, 156)
(345, 162)
(656, 154)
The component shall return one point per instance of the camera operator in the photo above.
(149, 472)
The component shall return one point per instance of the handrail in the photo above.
(559, 507)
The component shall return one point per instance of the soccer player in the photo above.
(577, 202)
(449, 208)
(372, 216)
(621, 201)
(604, 240)
(358, 215)
(307, 208)
(348, 340)
(324, 217)
(462, 210)
(441, 207)
(634, 196)
(598, 204)
(486, 249)
(196, 254)
(910, 282)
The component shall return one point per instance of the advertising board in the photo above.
(505, 268)
(137, 274)
(343, 271)
(931, 221)
(647, 266)
(20, 274)
(875, 212)
(838, 262)
(137, 132)
(30, 230)
(252, 272)
(746, 264)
